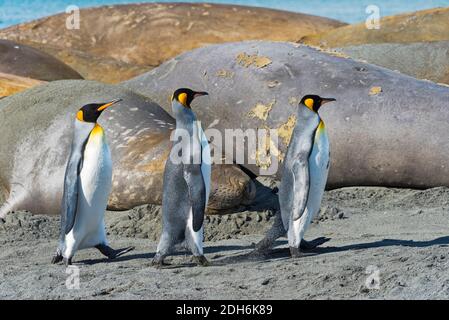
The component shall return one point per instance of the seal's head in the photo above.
(185, 96)
(91, 112)
(314, 102)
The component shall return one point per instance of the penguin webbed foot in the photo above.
(112, 253)
(313, 244)
(57, 258)
(259, 254)
(295, 253)
(121, 252)
(201, 261)
(158, 262)
(67, 262)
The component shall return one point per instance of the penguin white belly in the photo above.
(206, 169)
(318, 171)
(93, 194)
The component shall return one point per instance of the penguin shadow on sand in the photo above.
(123, 258)
(280, 254)
(441, 241)
(267, 199)
(271, 255)
(181, 258)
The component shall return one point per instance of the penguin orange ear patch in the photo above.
(182, 98)
(80, 115)
(309, 103)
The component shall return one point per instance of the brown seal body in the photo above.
(430, 60)
(11, 84)
(151, 33)
(421, 26)
(24, 61)
(386, 129)
(35, 136)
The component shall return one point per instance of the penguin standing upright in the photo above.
(87, 185)
(187, 178)
(305, 171)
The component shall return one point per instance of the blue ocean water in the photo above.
(351, 11)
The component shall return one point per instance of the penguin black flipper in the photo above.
(70, 196)
(197, 193)
(295, 182)
(300, 194)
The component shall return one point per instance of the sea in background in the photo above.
(351, 11)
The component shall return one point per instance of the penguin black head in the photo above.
(91, 112)
(185, 96)
(314, 102)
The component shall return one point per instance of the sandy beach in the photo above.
(401, 233)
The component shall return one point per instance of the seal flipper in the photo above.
(14, 202)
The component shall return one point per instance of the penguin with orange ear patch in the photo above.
(305, 172)
(187, 179)
(87, 185)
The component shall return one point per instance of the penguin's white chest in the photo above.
(318, 168)
(96, 174)
(206, 169)
(206, 160)
(95, 181)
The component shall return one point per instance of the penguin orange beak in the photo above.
(326, 100)
(109, 104)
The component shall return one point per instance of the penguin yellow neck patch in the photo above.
(96, 133)
(309, 104)
(320, 129)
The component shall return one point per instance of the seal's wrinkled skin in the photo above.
(35, 136)
(386, 129)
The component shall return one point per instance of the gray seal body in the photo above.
(387, 129)
(187, 179)
(36, 130)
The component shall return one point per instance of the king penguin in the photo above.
(87, 185)
(187, 178)
(305, 171)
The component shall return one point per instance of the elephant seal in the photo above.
(386, 129)
(11, 84)
(421, 26)
(430, 60)
(151, 33)
(35, 137)
(27, 62)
